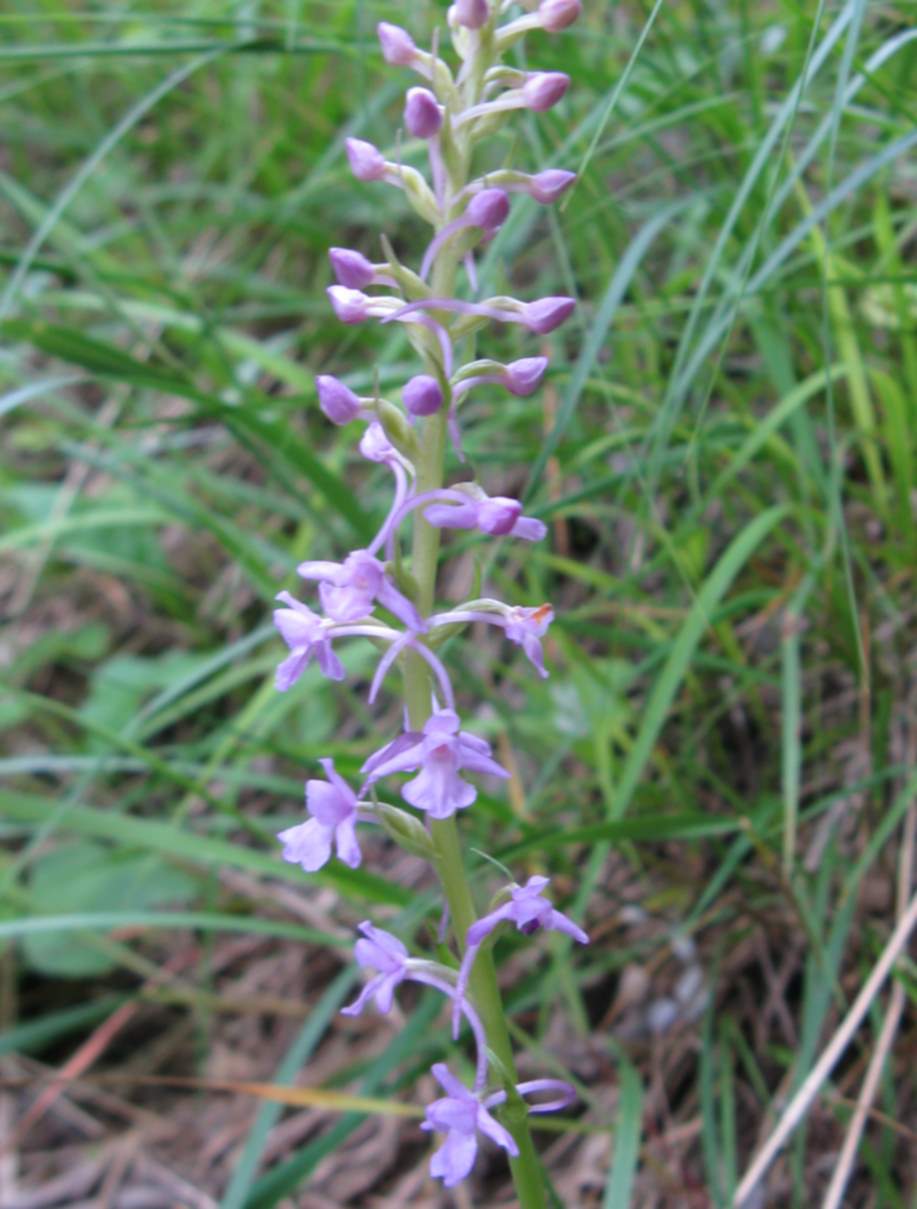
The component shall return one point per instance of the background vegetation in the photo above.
(720, 771)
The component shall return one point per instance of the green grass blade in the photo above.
(666, 685)
(627, 1132)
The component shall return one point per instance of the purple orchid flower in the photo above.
(355, 271)
(333, 807)
(530, 911)
(543, 89)
(538, 91)
(521, 378)
(523, 625)
(541, 316)
(367, 162)
(353, 306)
(467, 508)
(376, 447)
(422, 395)
(423, 115)
(526, 627)
(496, 515)
(383, 952)
(435, 665)
(486, 211)
(558, 14)
(349, 589)
(551, 15)
(471, 13)
(337, 400)
(306, 634)
(398, 47)
(378, 950)
(440, 752)
(545, 314)
(461, 1114)
(548, 185)
(544, 187)
(351, 268)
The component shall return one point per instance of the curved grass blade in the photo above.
(663, 692)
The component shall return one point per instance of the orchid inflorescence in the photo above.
(370, 593)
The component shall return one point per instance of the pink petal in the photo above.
(289, 671)
(307, 844)
(495, 1131)
(318, 569)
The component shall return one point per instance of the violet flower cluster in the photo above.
(378, 593)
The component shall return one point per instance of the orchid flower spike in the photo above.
(333, 807)
(363, 593)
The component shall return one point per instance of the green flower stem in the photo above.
(447, 852)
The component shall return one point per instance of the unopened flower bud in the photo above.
(367, 162)
(488, 209)
(422, 114)
(498, 514)
(397, 44)
(422, 395)
(406, 830)
(375, 445)
(336, 400)
(471, 13)
(545, 314)
(523, 377)
(351, 268)
(350, 306)
(558, 14)
(547, 186)
(543, 89)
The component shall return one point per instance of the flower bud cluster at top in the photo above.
(369, 594)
